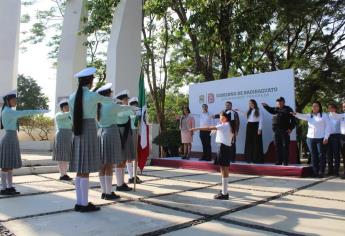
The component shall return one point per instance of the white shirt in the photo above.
(253, 118)
(335, 124)
(341, 119)
(224, 134)
(206, 120)
(318, 127)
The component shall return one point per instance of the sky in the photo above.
(34, 61)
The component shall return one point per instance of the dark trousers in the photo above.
(282, 143)
(318, 154)
(342, 143)
(333, 154)
(253, 150)
(233, 151)
(206, 145)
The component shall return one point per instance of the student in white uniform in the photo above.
(317, 137)
(341, 118)
(224, 137)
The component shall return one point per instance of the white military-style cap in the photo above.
(86, 72)
(133, 99)
(63, 101)
(11, 93)
(105, 87)
(123, 94)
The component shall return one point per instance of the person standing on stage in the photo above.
(85, 150)
(235, 121)
(282, 124)
(187, 122)
(253, 150)
(127, 141)
(62, 151)
(10, 157)
(333, 147)
(341, 119)
(224, 138)
(205, 135)
(318, 134)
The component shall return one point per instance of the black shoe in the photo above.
(336, 174)
(12, 191)
(321, 175)
(65, 178)
(286, 164)
(185, 158)
(77, 207)
(4, 192)
(221, 196)
(103, 195)
(278, 163)
(123, 188)
(131, 180)
(111, 196)
(343, 177)
(89, 208)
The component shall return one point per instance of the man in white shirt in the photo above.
(205, 121)
(333, 149)
(341, 118)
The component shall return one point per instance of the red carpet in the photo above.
(238, 167)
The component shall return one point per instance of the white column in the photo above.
(9, 45)
(124, 49)
(72, 52)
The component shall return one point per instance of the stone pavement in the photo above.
(179, 202)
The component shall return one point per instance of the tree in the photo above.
(30, 94)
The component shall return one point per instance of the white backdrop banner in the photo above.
(265, 87)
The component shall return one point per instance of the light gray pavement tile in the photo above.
(201, 201)
(298, 215)
(213, 178)
(215, 228)
(119, 219)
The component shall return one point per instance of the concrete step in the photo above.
(34, 170)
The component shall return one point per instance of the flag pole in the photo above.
(136, 157)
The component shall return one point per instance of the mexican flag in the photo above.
(143, 144)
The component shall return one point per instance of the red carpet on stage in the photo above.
(268, 169)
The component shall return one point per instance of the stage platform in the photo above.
(267, 169)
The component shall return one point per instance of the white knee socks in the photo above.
(120, 176)
(84, 186)
(102, 182)
(108, 184)
(130, 170)
(225, 185)
(9, 179)
(3, 180)
(63, 165)
(78, 190)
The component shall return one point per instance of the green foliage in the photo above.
(168, 138)
(30, 94)
(41, 124)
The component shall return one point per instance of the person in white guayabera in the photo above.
(10, 157)
(85, 150)
(341, 118)
(317, 137)
(224, 137)
(62, 150)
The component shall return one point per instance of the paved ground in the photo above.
(179, 202)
